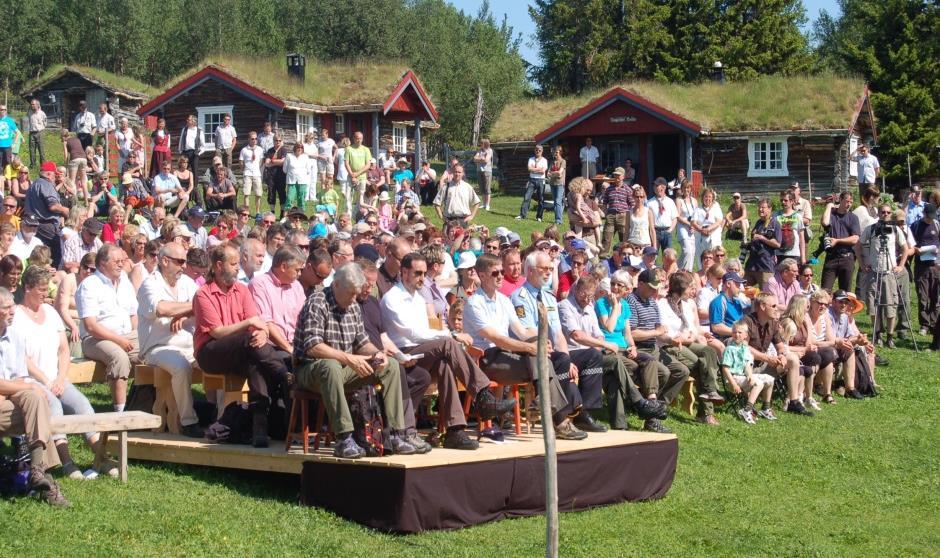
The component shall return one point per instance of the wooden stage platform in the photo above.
(447, 488)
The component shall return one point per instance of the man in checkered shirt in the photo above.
(334, 354)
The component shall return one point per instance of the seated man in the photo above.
(165, 306)
(586, 364)
(232, 338)
(87, 240)
(279, 297)
(726, 308)
(26, 240)
(489, 318)
(250, 259)
(24, 409)
(318, 267)
(334, 354)
(582, 330)
(769, 349)
(784, 283)
(649, 332)
(107, 310)
(274, 238)
(849, 337)
(405, 314)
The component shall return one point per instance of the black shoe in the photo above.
(192, 431)
(624, 427)
(651, 408)
(797, 408)
(586, 422)
(458, 439)
(854, 394)
(654, 425)
(881, 361)
(259, 429)
(485, 405)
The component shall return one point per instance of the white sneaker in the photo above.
(518, 217)
(746, 416)
(810, 402)
(487, 207)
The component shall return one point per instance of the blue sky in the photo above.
(518, 14)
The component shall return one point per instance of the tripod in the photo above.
(881, 291)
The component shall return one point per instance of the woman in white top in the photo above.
(124, 136)
(311, 150)
(690, 344)
(342, 175)
(640, 229)
(831, 350)
(48, 358)
(707, 223)
(297, 169)
(686, 204)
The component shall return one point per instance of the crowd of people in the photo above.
(365, 289)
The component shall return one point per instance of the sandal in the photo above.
(829, 399)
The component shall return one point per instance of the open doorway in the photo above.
(666, 159)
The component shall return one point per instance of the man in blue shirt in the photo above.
(914, 211)
(7, 134)
(727, 308)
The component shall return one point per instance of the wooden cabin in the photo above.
(384, 101)
(750, 137)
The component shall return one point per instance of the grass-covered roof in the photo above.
(125, 85)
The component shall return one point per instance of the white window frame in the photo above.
(310, 119)
(208, 137)
(773, 163)
(339, 123)
(400, 144)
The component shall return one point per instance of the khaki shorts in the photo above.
(325, 167)
(251, 186)
(78, 165)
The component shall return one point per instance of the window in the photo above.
(400, 138)
(340, 124)
(209, 119)
(767, 157)
(306, 120)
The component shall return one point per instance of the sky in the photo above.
(518, 14)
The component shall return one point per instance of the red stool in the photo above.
(301, 398)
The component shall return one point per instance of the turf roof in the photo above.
(121, 84)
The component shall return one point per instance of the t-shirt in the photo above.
(252, 157)
(275, 171)
(791, 227)
(723, 310)
(761, 256)
(487, 155)
(867, 166)
(7, 131)
(762, 336)
(358, 157)
(926, 234)
(539, 163)
(843, 225)
(603, 308)
(225, 136)
(325, 149)
(644, 315)
(41, 340)
(736, 357)
(403, 174)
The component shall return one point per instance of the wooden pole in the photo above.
(548, 435)
(909, 183)
(478, 117)
(809, 178)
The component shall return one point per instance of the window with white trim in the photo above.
(400, 138)
(767, 157)
(305, 121)
(209, 119)
(339, 124)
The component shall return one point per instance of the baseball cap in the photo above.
(579, 244)
(48, 166)
(196, 211)
(30, 220)
(649, 251)
(317, 231)
(504, 241)
(182, 230)
(660, 180)
(513, 237)
(736, 195)
(619, 171)
(362, 228)
(501, 231)
(732, 276)
(466, 260)
(92, 225)
(840, 295)
(649, 277)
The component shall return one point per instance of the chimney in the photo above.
(718, 72)
(297, 66)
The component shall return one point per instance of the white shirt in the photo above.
(588, 154)
(267, 262)
(705, 297)
(487, 165)
(325, 149)
(41, 341)
(481, 311)
(297, 168)
(225, 136)
(153, 331)
(12, 355)
(113, 306)
(189, 138)
(405, 317)
(125, 140)
(708, 217)
(386, 162)
(252, 157)
(147, 229)
(668, 214)
(867, 166)
(106, 123)
(541, 164)
(85, 122)
(22, 249)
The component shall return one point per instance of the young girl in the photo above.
(386, 219)
(455, 316)
(312, 152)
(737, 365)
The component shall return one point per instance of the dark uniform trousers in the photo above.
(506, 367)
(666, 379)
(927, 278)
(414, 384)
(618, 383)
(446, 359)
(263, 366)
(590, 365)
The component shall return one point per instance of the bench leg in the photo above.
(122, 439)
(102, 452)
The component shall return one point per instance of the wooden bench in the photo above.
(686, 399)
(86, 371)
(233, 386)
(164, 404)
(103, 423)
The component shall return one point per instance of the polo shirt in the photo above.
(12, 355)
(644, 316)
(578, 318)
(618, 199)
(481, 311)
(357, 157)
(782, 292)
(112, 305)
(214, 308)
(843, 225)
(154, 331)
(106, 123)
(664, 211)
(225, 136)
(723, 310)
(460, 197)
(866, 168)
(913, 212)
(509, 286)
(761, 337)
(405, 316)
(278, 303)
(926, 234)
(603, 308)
(525, 303)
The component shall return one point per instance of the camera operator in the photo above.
(843, 233)
(883, 243)
(926, 269)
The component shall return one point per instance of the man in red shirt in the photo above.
(512, 272)
(232, 338)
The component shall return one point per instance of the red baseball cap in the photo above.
(48, 166)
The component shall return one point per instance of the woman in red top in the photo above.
(161, 148)
(114, 228)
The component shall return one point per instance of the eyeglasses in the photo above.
(618, 284)
(12, 206)
(177, 261)
(153, 254)
(320, 276)
(89, 268)
(545, 268)
(579, 264)
(719, 254)
(266, 222)
(244, 214)
(884, 213)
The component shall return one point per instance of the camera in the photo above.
(885, 228)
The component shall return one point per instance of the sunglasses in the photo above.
(244, 214)
(13, 206)
(266, 222)
(372, 223)
(89, 268)
(177, 261)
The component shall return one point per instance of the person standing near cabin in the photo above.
(326, 153)
(537, 166)
(106, 126)
(7, 134)
(556, 179)
(618, 202)
(277, 180)
(251, 157)
(37, 124)
(84, 124)
(868, 167)
(484, 162)
(357, 158)
(161, 148)
(589, 156)
(226, 138)
(190, 144)
(665, 214)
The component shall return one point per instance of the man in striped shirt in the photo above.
(618, 203)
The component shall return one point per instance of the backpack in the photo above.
(233, 427)
(365, 407)
(141, 397)
(863, 379)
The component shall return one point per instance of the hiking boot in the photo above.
(399, 446)
(55, 498)
(586, 422)
(566, 430)
(854, 394)
(192, 431)
(420, 445)
(747, 415)
(655, 425)
(767, 414)
(889, 342)
(650, 408)
(259, 429)
(457, 439)
(486, 405)
(38, 479)
(712, 396)
(796, 407)
(347, 448)
(881, 361)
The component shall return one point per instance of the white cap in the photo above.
(466, 260)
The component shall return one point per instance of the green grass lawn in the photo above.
(861, 479)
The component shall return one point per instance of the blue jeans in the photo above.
(664, 239)
(558, 193)
(533, 185)
(71, 402)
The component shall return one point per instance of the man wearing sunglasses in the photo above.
(87, 240)
(9, 212)
(882, 249)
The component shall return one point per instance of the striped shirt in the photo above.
(618, 199)
(322, 320)
(644, 316)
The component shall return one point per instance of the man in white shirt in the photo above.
(665, 214)
(484, 161)
(251, 157)
(106, 125)
(386, 162)
(886, 250)
(84, 124)
(405, 316)
(164, 313)
(107, 312)
(326, 154)
(195, 217)
(425, 182)
(537, 166)
(190, 144)
(151, 227)
(37, 123)
(867, 167)
(250, 259)
(589, 156)
(226, 138)
(26, 240)
(457, 200)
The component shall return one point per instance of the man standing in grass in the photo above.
(484, 162)
(37, 123)
(251, 157)
(357, 157)
(7, 134)
(225, 140)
